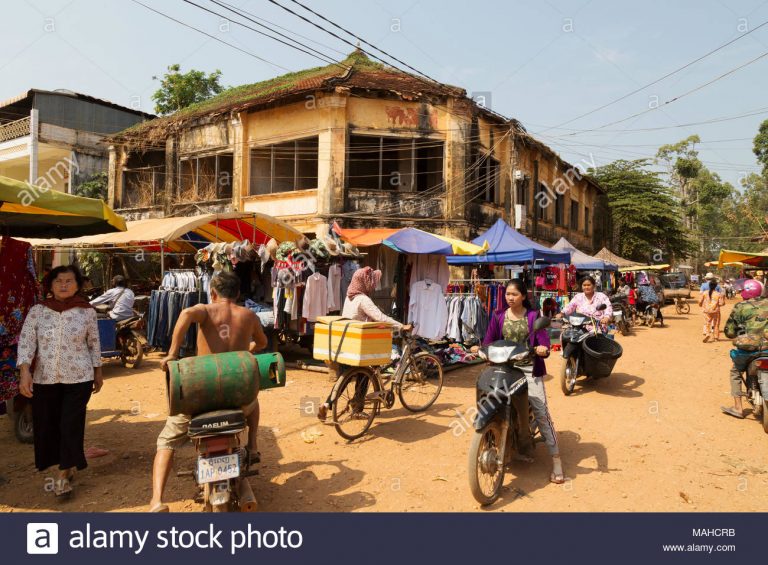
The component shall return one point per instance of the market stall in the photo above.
(29, 210)
(606, 255)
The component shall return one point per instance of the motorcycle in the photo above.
(650, 314)
(220, 438)
(223, 463)
(622, 317)
(576, 364)
(19, 410)
(504, 421)
(753, 368)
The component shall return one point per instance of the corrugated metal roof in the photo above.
(71, 94)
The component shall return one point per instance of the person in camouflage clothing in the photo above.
(749, 317)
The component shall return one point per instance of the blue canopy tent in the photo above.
(582, 261)
(412, 240)
(508, 246)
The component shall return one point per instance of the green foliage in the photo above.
(760, 146)
(645, 215)
(179, 90)
(94, 187)
(93, 265)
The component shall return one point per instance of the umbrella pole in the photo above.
(162, 259)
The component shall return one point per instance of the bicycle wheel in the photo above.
(685, 308)
(422, 382)
(356, 402)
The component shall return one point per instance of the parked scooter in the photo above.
(503, 424)
(579, 362)
(753, 367)
(19, 410)
(621, 313)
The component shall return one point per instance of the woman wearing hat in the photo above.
(359, 306)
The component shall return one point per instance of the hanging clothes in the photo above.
(18, 293)
(427, 310)
(433, 267)
(315, 301)
(334, 300)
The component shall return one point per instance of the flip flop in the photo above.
(160, 507)
(556, 479)
(732, 412)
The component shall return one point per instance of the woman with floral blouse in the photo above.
(61, 336)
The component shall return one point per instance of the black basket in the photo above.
(600, 355)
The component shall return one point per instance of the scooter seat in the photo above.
(217, 422)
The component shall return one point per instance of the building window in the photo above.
(487, 188)
(394, 163)
(284, 167)
(522, 192)
(143, 180)
(574, 215)
(586, 220)
(560, 210)
(541, 202)
(205, 178)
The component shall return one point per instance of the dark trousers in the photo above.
(58, 417)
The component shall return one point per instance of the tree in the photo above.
(94, 187)
(760, 146)
(683, 166)
(179, 90)
(645, 216)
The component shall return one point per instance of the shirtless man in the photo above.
(222, 326)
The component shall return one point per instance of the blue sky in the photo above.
(542, 62)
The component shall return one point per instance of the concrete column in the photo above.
(458, 124)
(240, 160)
(114, 178)
(332, 155)
(171, 180)
(34, 128)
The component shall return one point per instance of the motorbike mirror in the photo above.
(602, 307)
(541, 323)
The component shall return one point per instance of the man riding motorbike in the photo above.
(646, 296)
(738, 323)
(222, 326)
(120, 299)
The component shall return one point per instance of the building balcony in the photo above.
(15, 129)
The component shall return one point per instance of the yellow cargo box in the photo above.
(350, 342)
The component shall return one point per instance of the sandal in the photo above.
(159, 507)
(63, 488)
(252, 457)
(556, 479)
(732, 412)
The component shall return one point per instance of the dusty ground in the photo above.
(650, 438)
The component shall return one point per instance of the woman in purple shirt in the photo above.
(515, 323)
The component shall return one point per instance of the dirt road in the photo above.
(650, 438)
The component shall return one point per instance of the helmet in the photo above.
(752, 289)
(643, 279)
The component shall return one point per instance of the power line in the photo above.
(361, 39)
(678, 97)
(316, 54)
(318, 26)
(211, 36)
(724, 45)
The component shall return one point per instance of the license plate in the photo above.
(219, 468)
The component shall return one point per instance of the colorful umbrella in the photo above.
(33, 211)
(412, 240)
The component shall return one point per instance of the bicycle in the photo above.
(359, 392)
(682, 306)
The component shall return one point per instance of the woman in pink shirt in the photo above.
(587, 301)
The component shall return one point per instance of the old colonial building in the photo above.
(357, 142)
(55, 139)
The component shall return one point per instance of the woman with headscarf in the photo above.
(61, 336)
(359, 306)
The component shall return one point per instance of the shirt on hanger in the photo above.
(315, 297)
(427, 310)
(334, 288)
